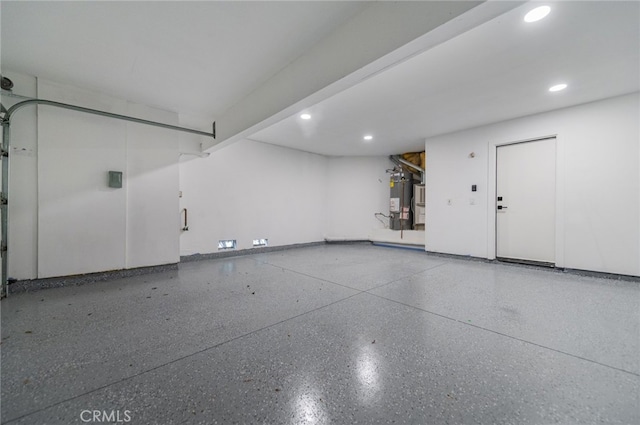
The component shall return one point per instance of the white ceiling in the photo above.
(203, 57)
(190, 57)
(494, 72)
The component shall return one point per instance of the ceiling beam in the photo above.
(381, 36)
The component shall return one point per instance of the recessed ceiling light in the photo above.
(305, 116)
(558, 87)
(537, 14)
(368, 137)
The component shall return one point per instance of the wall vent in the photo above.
(260, 242)
(226, 244)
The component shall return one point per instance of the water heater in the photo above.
(401, 193)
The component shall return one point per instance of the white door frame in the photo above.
(491, 195)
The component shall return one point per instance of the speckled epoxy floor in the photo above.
(327, 334)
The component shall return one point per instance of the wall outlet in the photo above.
(472, 201)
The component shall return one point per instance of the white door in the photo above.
(525, 203)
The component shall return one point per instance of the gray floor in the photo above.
(335, 333)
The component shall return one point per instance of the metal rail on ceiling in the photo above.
(7, 114)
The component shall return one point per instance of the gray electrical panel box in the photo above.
(115, 179)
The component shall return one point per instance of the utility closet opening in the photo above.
(406, 219)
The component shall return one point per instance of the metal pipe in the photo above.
(402, 209)
(409, 164)
(4, 210)
(28, 102)
(6, 134)
(396, 159)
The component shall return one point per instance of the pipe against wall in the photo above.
(400, 161)
(4, 207)
(402, 210)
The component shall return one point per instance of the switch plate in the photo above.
(115, 179)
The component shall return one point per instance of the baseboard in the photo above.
(241, 252)
(534, 265)
(21, 286)
(347, 241)
(411, 247)
(526, 262)
(602, 275)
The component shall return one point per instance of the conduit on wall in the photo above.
(7, 114)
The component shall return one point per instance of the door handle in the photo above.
(186, 225)
(500, 207)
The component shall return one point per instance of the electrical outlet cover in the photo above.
(115, 179)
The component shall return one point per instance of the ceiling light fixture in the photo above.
(537, 14)
(305, 116)
(368, 137)
(558, 87)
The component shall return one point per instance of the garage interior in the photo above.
(320, 212)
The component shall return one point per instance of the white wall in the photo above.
(64, 220)
(153, 222)
(459, 228)
(252, 190)
(357, 188)
(598, 185)
(81, 222)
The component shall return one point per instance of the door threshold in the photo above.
(527, 262)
